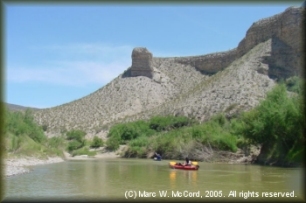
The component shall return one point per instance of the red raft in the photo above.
(180, 166)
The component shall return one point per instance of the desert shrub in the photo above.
(220, 119)
(45, 127)
(278, 119)
(113, 143)
(196, 132)
(136, 151)
(76, 140)
(22, 123)
(158, 123)
(96, 142)
(23, 137)
(170, 144)
(295, 84)
(74, 145)
(130, 130)
(56, 142)
(162, 123)
(214, 134)
(76, 135)
(142, 141)
(14, 142)
(224, 141)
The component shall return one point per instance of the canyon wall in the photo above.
(285, 30)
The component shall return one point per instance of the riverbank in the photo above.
(103, 155)
(14, 166)
(17, 166)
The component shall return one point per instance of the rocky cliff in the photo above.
(195, 86)
(284, 29)
(141, 63)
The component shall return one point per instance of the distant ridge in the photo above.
(14, 107)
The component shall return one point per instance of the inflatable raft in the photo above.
(193, 166)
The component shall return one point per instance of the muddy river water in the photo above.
(121, 179)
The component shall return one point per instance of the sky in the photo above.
(57, 53)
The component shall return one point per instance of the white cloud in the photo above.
(83, 64)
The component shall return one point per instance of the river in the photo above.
(117, 179)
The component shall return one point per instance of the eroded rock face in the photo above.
(141, 62)
(285, 29)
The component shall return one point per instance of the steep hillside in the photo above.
(239, 87)
(196, 86)
(121, 98)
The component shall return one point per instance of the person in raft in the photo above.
(187, 162)
(157, 157)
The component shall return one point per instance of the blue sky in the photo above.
(57, 53)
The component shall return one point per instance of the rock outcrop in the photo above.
(286, 59)
(141, 62)
(285, 30)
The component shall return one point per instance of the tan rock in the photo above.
(141, 62)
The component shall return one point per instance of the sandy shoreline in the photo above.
(15, 166)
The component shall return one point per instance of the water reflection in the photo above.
(172, 177)
(194, 175)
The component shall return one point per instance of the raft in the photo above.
(180, 166)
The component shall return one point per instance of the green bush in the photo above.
(179, 142)
(23, 137)
(74, 145)
(22, 123)
(96, 142)
(196, 132)
(142, 141)
(130, 130)
(45, 127)
(56, 142)
(279, 119)
(15, 143)
(295, 84)
(76, 135)
(169, 144)
(160, 123)
(76, 140)
(215, 133)
(220, 119)
(125, 132)
(136, 151)
(113, 143)
(225, 141)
